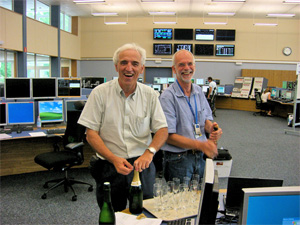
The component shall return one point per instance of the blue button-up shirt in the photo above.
(179, 116)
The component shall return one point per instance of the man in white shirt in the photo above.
(212, 86)
(120, 116)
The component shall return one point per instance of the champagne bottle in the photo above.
(107, 214)
(136, 194)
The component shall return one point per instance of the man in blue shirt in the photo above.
(189, 118)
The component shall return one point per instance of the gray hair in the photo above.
(173, 58)
(130, 46)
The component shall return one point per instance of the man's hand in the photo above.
(122, 166)
(209, 148)
(143, 161)
(216, 132)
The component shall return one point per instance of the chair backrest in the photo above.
(258, 101)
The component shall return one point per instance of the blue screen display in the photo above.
(51, 111)
(281, 209)
(221, 89)
(20, 112)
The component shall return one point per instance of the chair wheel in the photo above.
(44, 196)
(90, 189)
(74, 198)
(45, 185)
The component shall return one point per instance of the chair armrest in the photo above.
(74, 145)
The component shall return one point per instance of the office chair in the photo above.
(259, 105)
(212, 102)
(72, 155)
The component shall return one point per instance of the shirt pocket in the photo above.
(140, 126)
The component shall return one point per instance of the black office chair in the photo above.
(72, 155)
(212, 102)
(259, 105)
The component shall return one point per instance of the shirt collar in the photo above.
(179, 93)
(121, 92)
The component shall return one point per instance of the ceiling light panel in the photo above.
(162, 13)
(280, 15)
(158, 1)
(221, 13)
(105, 14)
(265, 24)
(88, 1)
(229, 1)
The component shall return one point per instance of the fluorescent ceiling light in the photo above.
(221, 13)
(292, 1)
(230, 1)
(265, 24)
(88, 1)
(166, 22)
(215, 23)
(162, 13)
(105, 14)
(158, 1)
(115, 23)
(280, 15)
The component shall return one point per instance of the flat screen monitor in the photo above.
(51, 111)
(19, 113)
(2, 90)
(92, 82)
(225, 50)
(205, 88)
(208, 206)
(199, 81)
(289, 95)
(225, 35)
(161, 80)
(3, 120)
(171, 80)
(204, 49)
(162, 33)
(157, 87)
(183, 34)
(70, 105)
(221, 89)
(17, 88)
(271, 205)
(162, 49)
(178, 47)
(68, 87)
(43, 88)
(204, 34)
(228, 88)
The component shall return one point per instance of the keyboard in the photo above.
(184, 221)
(56, 131)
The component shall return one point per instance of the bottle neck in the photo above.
(106, 197)
(136, 179)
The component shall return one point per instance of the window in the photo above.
(6, 4)
(7, 64)
(38, 10)
(65, 22)
(38, 65)
(65, 65)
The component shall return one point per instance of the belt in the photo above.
(189, 151)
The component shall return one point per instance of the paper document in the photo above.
(37, 134)
(125, 219)
(4, 136)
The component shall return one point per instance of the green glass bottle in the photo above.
(136, 195)
(107, 214)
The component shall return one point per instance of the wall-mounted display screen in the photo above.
(3, 120)
(20, 113)
(204, 49)
(162, 33)
(225, 35)
(224, 50)
(43, 87)
(68, 87)
(204, 34)
(51, 111)
(162, 49)
(178, 47)
(17, 88)
(183, 34)
(92, 82)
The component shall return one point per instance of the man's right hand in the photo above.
(209, 148)
(122, 166)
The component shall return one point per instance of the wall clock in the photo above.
(287, 51)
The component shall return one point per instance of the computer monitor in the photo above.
(221, 89)
(205, 88)
(17, 88)
(204, 34)
(199, 81)
(289, 95)
(157, 87)
(162, 33)
(51, 111)
(43, 88)
(208, 206)
(19, 113)
(273, 205)
(3, 120)
(225, 50)
(183, 34)
(68, 87)
(2, 90)
(225, 35)
(228, 88)
(92, 82)
(171, 80)
(70, 105)
(203, 49)
(162, 49)
(178, 47)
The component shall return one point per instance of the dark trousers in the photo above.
(103, 171)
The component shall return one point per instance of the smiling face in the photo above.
(129, 67)
(184, 66)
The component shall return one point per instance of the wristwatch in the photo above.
(152, 150)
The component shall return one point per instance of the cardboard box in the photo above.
(223, 167)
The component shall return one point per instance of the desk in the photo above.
(282, 108)
(18, 152)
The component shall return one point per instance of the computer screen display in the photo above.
(274, 205)
(162, 33)
(3, 120)
(92, 82)
(171, 80)
(156, 87)
(203, 49)
(68, 87)
(2, 90)
(221, 89)
(17, 88)
(162, 49)
(205, 88)
(225, 50)
(204, 34)
(273, 92)
(43, 87)
(20, 113)
(228, 88)
(199, 81)
(162, 80)
(183, 34)
(225, 35)
(70, 105)
(51, 111)
(178, 47)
